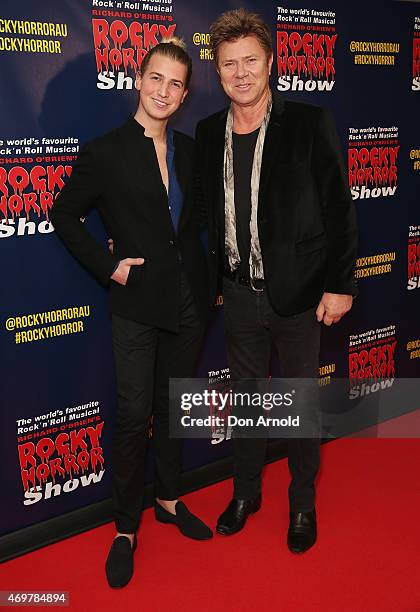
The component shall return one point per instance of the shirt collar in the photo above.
(169, 132)
(170, 139)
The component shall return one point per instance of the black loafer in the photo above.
(302, 531)
(119, 564)
(188, 524)
(236, 514)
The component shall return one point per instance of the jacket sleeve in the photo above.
(77, 197)
(338, 210)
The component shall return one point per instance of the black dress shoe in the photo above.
(188, 524)
(302, 531)
(235, 516)
(119, 564)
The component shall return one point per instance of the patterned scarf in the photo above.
(256, 269)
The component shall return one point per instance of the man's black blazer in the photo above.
(306, 217)
(119, 175)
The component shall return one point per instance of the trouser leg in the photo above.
(248, 355)
(134, 347)
(297, 339)
(177, 356)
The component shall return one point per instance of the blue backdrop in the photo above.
(66, 76)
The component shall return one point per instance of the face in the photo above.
(162, 87)
(244, 70)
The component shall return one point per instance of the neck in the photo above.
(249, 118)
(153, 128)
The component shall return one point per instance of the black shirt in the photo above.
(243, 156)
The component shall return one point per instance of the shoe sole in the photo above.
(300, 552)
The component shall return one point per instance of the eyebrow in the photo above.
(163, 76)
(231, 59)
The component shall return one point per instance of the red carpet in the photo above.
(366, 558)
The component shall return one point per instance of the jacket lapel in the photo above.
(216, 162)
(183, 169)
(273, 144)
(139, 156)
(141, 165)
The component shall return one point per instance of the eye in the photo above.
(252, 60)
(177, 85)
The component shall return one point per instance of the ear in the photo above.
(184, 95)
(270, 63)
(137, 82)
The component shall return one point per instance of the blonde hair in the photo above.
(175, 40)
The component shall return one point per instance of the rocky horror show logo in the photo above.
(220, 431)
(26, 196)
(30, 191)
(33, 171)
(121, 48)
(69, 455)
(306, 42)
(372, 161)
(415, 85)
(371, 361)
(413, 257)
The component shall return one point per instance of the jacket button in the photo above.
(171, 242)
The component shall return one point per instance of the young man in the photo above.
(139, 177)
(282, 232)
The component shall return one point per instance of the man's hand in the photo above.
(121, 273)
(332, 307)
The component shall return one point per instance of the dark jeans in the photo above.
(251, 328)
(145, 358)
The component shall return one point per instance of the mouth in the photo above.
(243, 86)
(159, 103)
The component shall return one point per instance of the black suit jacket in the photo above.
(119, 175)
(306, 217)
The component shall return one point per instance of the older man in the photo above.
(282, 234)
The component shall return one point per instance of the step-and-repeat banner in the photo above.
(66, 75)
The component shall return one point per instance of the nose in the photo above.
(163, 89)
(241, 71)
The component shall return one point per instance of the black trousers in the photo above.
(145, 358)
(252, 327)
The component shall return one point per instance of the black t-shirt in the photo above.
(243, 156)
